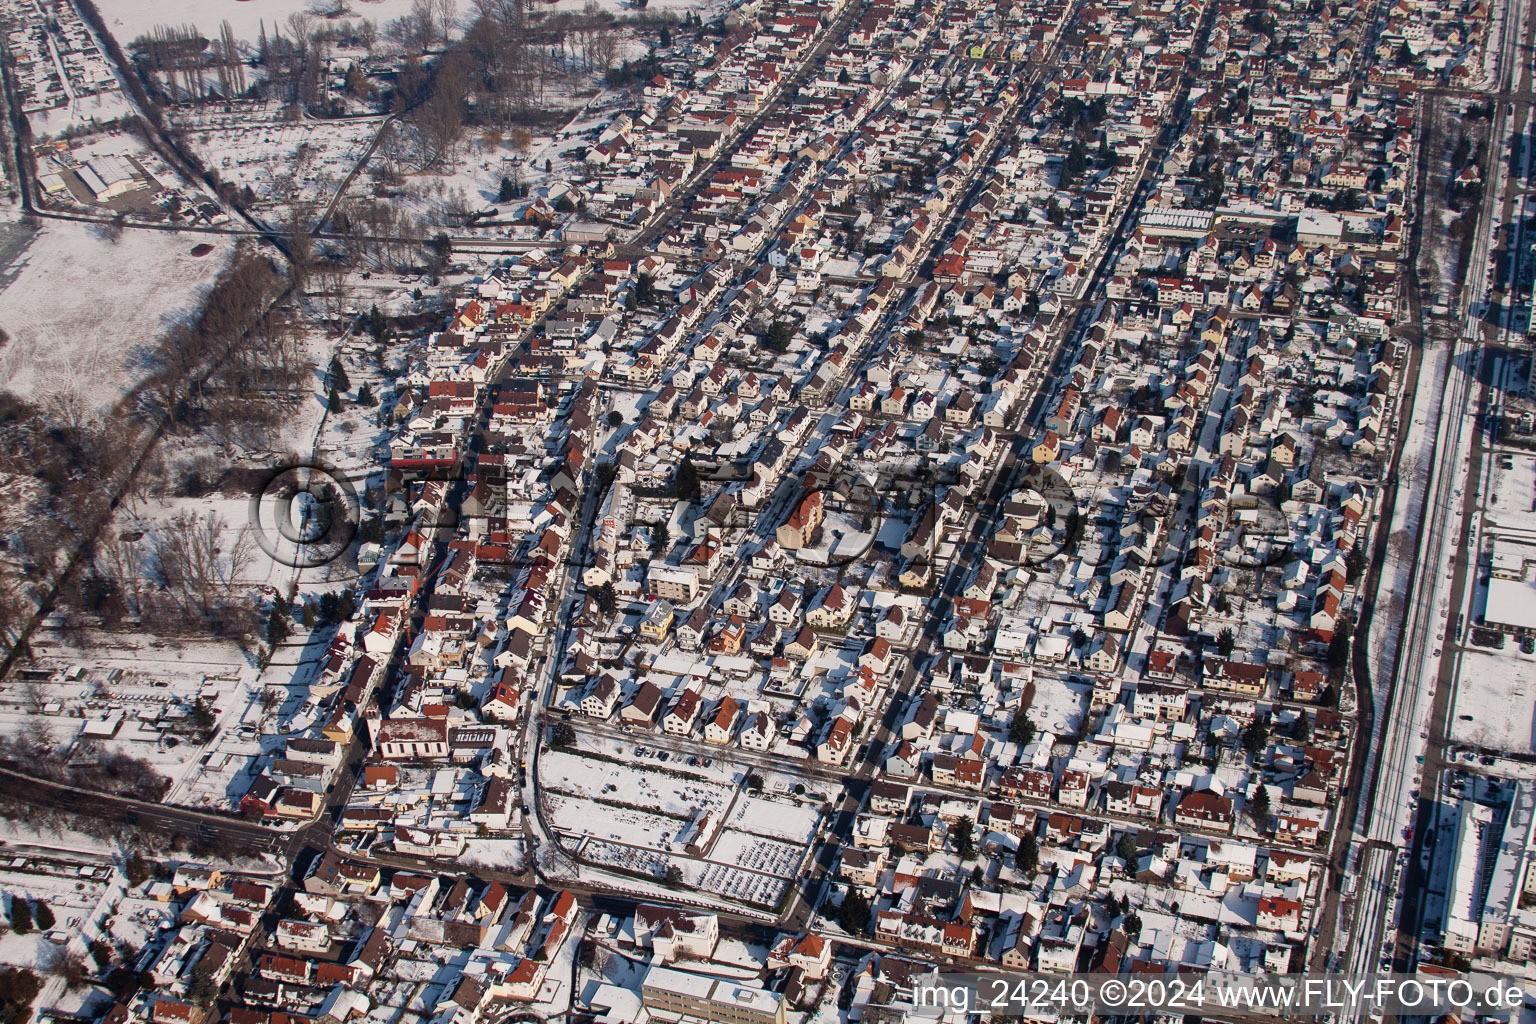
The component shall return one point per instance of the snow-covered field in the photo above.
(497, 854)
(1495, 700)
(128, 19)
(84, 313)
(624, 784)
(794, 822)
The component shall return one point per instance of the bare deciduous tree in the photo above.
(440, 120)
(238, 561)
(447, 12)
(301, 24)
(187, 559)
(69, 409)
(422, 24)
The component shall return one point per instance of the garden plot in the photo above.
(137, 700)
(300, 162)
(1058, 705)
(65, 900)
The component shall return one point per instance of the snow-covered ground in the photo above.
(129, 19)
(84, 313)
(1495, 705)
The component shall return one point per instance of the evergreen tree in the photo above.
(1258, 807)
(853, 915)
(21, 915)
(507, 192)
(378, 326)
(43, 915)
(685, 483)
(1022, 730)
(277, 627)
(965, 842)
(607, 599)
(1027, 857)
(1073, 164)
(365, 397)
(1256, 737)
(339, 379)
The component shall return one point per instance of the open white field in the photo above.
(128, 19)
(1495, 701)
(83, 313)
(667, 792)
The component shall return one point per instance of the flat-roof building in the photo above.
(678, 994)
